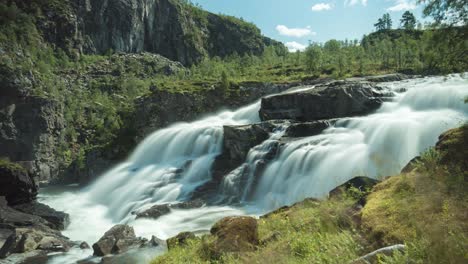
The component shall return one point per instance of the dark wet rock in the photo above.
(157, 242)
(84, 245)
(197, 203)
(14, 218)
(307, 129)
(16, 184)
(237, 142)
(31, 257)
(56, 219)
(333, 100)
(235, 234)
(155, 211)
(117, 240)
(180, 240)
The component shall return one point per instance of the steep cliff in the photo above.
(172, 28)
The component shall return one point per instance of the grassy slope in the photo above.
(425, 209)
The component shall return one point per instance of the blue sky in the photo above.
(295, 22)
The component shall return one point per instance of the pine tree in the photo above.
(408, 21)
(380, 25)
(387, 20)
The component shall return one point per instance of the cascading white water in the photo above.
(167, 165)
(172, 162)
(376, 145)
(239, 182)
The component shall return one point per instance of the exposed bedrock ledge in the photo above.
(332, 100)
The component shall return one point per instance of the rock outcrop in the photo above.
(333, 100)
(28, 229)
(26, 236)
(55, 219)
(29, 133)
(117, 240)
(16, 185)
(172, 28)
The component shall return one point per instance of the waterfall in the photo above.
(377, 145)
(168, 165)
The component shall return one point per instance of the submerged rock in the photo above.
(155, 211)
(307, 129)
(333, 100)
(235, 234)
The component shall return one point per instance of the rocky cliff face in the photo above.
(30, 130)
(172, 28)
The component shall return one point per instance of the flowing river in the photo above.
(171, 163)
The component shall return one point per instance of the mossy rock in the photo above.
(235, 235)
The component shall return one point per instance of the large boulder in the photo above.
(453, 147)
(16, 184)
(237, 142)
(333, 100)
(117, 240)
(31, 238)
(235, 235)
(55, 219)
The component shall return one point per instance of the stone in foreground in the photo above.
(235, 235)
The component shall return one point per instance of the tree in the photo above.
(387, 21)
(225, 84)
(450, 12)
(380, 25)
(408, 21)
(314, 57)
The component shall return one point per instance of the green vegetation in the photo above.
(424, 209)
(11, 166)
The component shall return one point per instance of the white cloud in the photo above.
(294, 46)
(355, 2)
(294, 32)
(402, 5)
(321, 7)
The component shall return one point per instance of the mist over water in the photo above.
(169, 164)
